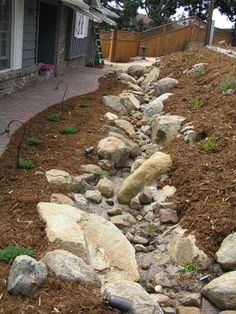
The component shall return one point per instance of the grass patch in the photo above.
(54, 117)
(85, 97)
(195, 102)
(190, 266)
(33, 141)
(102, 174)
(200, 72)
(26, 164)
(151, 231)
(68, 130)
(212, 173)
(201, 57)
(227, 84)
(10, 252)
(84, 106)
(210, 145)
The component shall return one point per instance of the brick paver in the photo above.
(25, 104)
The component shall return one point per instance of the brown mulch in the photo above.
(205, 181)
(21, 190)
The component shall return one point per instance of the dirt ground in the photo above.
(205, 181)
(21, 190)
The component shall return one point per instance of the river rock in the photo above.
(130, 101)
(150, 170)
(156, 106)
(111, 116)
(133, 148)
(146, 196)
(165, 128)
(168, 215)
(137, 70)
(106, 187)
(80, 201)
(126, 77)
(90, 168)
(61, 199)
(152, 77)
(165, 85)
(26, 276)
(126, 126)
(222, 291)
(93, 196)
(182, 249)
(113, 149)
(70, 267)
(226, 255)
(58, 177)
(76, 231)
(114, 102)
(142, 301)
(190, 299)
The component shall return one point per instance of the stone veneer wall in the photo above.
(13, 81)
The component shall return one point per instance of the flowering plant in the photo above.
(46, 67)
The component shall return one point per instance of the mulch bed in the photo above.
(21, 190)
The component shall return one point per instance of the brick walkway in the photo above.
(25, 104)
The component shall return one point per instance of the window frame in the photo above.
(84, 24)
(9, 44)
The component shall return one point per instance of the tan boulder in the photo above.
(106, 187)
(126, 126)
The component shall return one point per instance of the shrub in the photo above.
(210, 145)
(10, 252)
(84, 106)
(33, 141)
(85, 97)
(190, 266)
(101, 174)
(54, 117)
(69, 130)
(26, 164)
(200, 72)
(227, 84)
(196, 103)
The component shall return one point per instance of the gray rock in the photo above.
(168, 215)
(146, 129)
(126, 127)
(137, 70)
(190, 299)
(132, 147)
(190, 136)
(114, 102)
(93, 196)
(106, 187)
(169, 310)
(114, 211)
(165, 85)
(90, 168)
(222, 291)
(80, 201)
(208, 307)
(196, 67)
(146, 196)
(126, 77)
(135, 203)
(152, 77)
(61, 199)
(226, 255)
(162, 299)
(119, 221)
(140, 248)
(130, 102)
(142, 301)
(140, 240)
(156, 106)
(70, 267)
(26, 276)
(135, 88)
(188, 310)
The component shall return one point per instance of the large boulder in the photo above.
(113, 149)
(182, 249)
(149, 170)
(137, 70)
(130, 101)
(222, 291)
(26, 276)
(156, 106)
(226, 255)
(70, 267)
(126, 126)
(107, 249)
(165, 85)
(58, 177)
(152, 77)
(114, 102)
(165, 128)
(142, 301)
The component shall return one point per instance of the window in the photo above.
(81, 25)
(5, 33)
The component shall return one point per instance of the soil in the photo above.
(205, 181)
(21, 190)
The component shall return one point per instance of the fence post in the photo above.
(112, 51)
(138, 40)
(162, 40)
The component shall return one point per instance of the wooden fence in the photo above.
(120, 46)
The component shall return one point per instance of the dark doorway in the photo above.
(47, 33)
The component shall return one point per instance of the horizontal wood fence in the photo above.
(120, 46)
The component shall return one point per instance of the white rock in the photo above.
(80, 201)
(126, 77)
(196, 67)
(152, 77)
(156, 106)
(93, 196)
(111, 116)
(58, 177)
(226, 255)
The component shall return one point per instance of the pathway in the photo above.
(25, 104)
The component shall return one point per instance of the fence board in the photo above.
(105, 38)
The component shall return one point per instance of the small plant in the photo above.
(190, 266)
(101, 174)
(84, 106)
(85, 97)
(210, 145)
(201, 57)
(26, 164)
(212, 173)
(10, 252)
(33, 141)
(69, 130)
(200, 72)
(196, 103)
(228, 84)
(54, 117)
(151, 231)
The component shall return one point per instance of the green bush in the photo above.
(26, 164)
(200, 72)
(201, 57)
(196, 103)
(54, 117)
(190, 266)
(210, 145)
(84, 106)
(227, 84)
(33, 141)
(10, 252)
(101, 174)
(69, 130)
